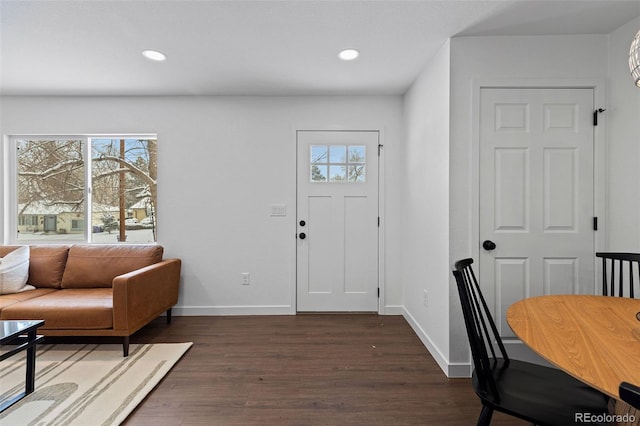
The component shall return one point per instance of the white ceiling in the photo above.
(263, 47)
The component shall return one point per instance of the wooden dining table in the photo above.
(596, 339)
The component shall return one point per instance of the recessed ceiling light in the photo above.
(154, 55)
(348, 54)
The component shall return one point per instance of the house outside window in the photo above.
(83, 189)
(29, 220)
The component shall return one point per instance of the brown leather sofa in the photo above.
(94, 290)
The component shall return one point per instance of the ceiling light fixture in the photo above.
(348, 54)
(634, 59)
(154, 55)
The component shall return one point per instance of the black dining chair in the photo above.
(623, 266)
(535, 393)
(630, 394)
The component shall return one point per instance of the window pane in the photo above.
(356, 173)
(338, 154)
(319, 154)
(357, 154)
(318, 173)
(338, 163)
(337, 173)
(124, 190)
(50, 189)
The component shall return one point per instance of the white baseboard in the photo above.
(451, 370)
(256, 310)
(392, 310)
(459, 371)
(232, 310)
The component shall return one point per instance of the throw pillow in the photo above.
(14, 271)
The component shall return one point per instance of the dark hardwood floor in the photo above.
(303, 370)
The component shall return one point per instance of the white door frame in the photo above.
(381, 211)
(599, 155)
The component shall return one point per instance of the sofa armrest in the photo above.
(141, 295)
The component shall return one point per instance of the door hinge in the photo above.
(378, 292)
(378, 221)
(595, 223)
(380, 146)
(595, 115)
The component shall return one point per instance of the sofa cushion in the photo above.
(46, 264)
(10, 299)
(85, 309)
(91, 266)
(14, 271)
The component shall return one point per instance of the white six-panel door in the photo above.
(337, 221)
(536, 194)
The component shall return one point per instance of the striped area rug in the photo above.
(85, 384)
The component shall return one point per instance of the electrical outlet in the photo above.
(425, 299)
(246, 278)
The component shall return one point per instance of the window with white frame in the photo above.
(338, 163)
(94, 189)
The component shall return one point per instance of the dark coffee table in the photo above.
(21, 333)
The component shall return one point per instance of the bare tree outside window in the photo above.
(124, 177)
(51, 189)
(338, 163)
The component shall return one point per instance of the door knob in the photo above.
(488, 245)
(302, 235)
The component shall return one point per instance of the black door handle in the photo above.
(488, 245)
(302, 235)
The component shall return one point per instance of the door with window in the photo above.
(536, 195)
(337, 221)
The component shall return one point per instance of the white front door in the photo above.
(536, 195)
(337, 221)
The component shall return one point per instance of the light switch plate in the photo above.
(278, 210)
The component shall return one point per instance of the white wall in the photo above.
(222, 162)
(440, 220)
(623, 115)
(526, 61)
(435, 119)
(426, 209)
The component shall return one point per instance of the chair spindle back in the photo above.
(481, 328)
(620, 266)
